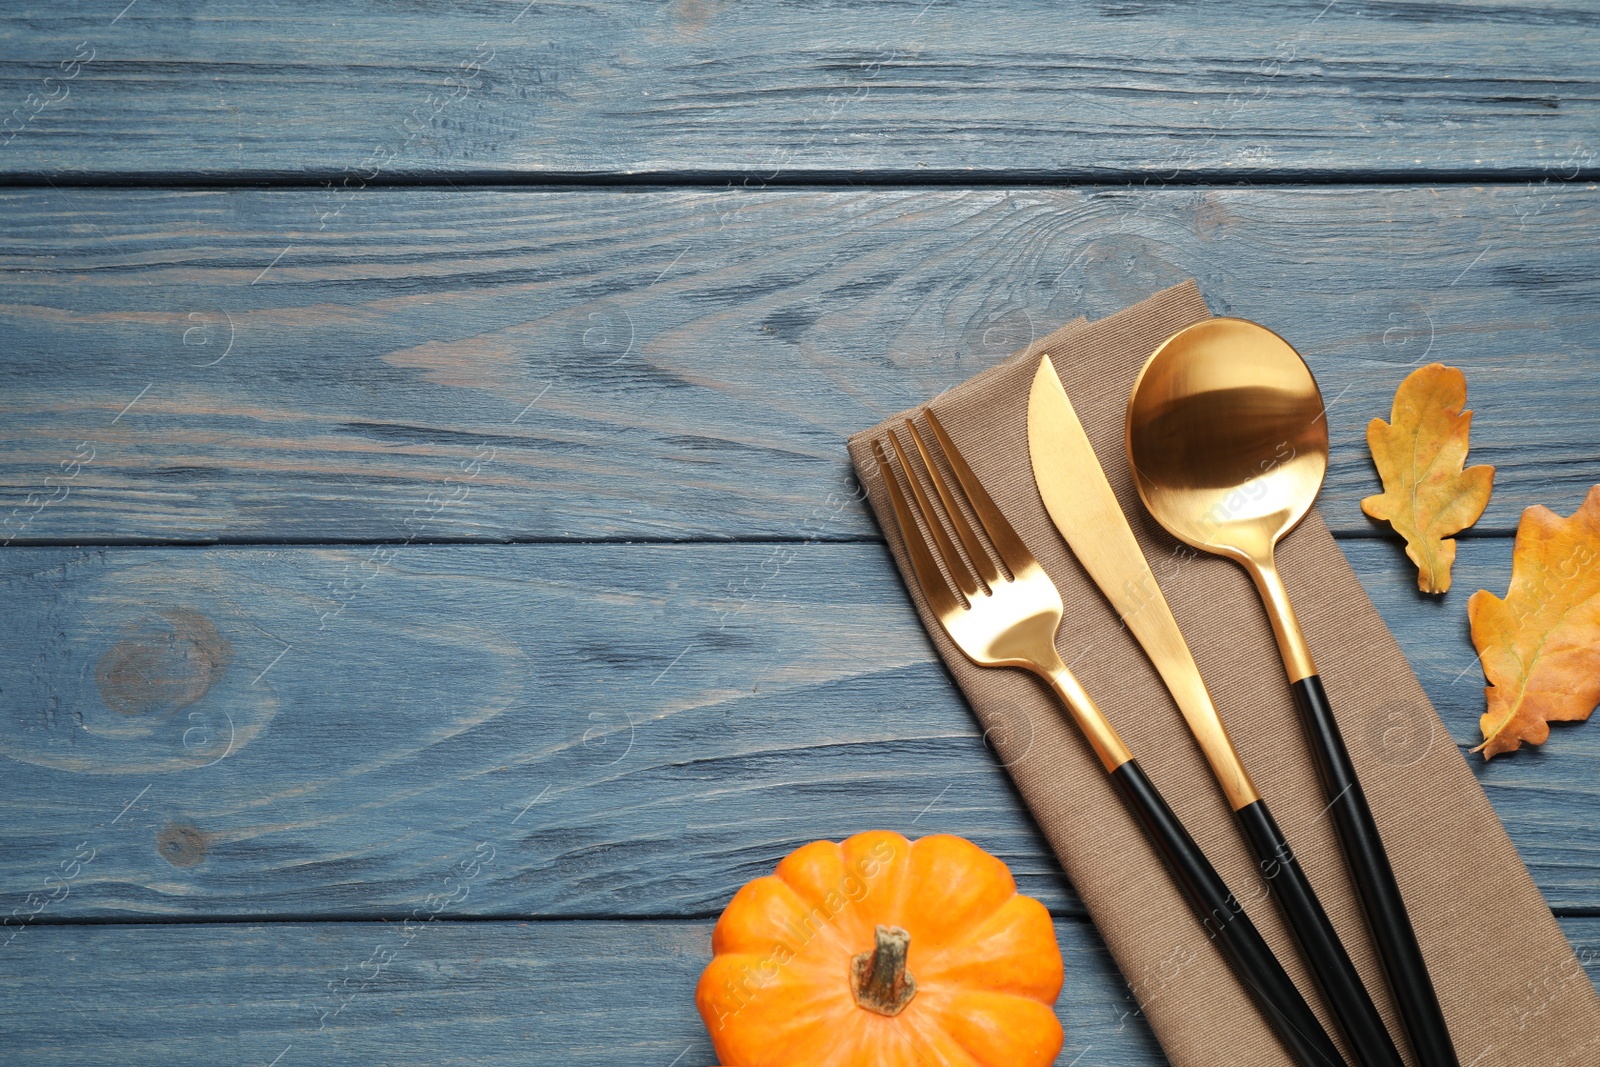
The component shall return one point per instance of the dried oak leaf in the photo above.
(1419, 452)
(1540, 646)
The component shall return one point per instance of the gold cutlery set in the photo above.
(1227, 442)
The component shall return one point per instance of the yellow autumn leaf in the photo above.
(1540, 646)
(1426, 495)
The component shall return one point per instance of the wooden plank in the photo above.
(455, 993)
(451, 993)
(772, 91)
(632, 730)
(492, 365)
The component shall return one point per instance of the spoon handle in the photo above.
(1226, 923)
(1358, 1017)
(1374, 878)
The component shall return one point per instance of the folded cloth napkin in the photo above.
(1512, 989)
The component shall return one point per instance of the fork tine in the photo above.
(934, 586)
(941, 540)
(1012, 551)
(975, 550)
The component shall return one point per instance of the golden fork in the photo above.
(1010, 620)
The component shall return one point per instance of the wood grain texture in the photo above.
(632, 730)
(487, 993)
(769, 91)
(449, 993)
(491, 365)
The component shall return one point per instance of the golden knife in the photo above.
(1084, 508)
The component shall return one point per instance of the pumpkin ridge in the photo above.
(815, 969)
(865, 1037)
(931, 961)
(1049, 1034)
(843, 884)
(964, 1047)
(829, 888)
(799, 931)
(973, 911)
(823, 933)
(928, 1037)
(889, 878)
(794, 1006)
(975, 959)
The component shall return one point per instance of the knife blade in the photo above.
(1084, 508)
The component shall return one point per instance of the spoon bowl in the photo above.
(1227, 438)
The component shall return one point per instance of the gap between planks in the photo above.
(824, 181)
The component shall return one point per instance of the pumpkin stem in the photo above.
(879, 979)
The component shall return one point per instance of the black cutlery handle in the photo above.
(1220, 912)
(1358, 1017)
(1374, 878)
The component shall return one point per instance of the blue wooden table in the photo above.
(433, 579)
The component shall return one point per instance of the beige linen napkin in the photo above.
(1512, 990)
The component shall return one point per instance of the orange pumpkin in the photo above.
(884, 952)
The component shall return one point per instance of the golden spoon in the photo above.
(1228, 443)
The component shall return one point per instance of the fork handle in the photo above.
(1225, 921)
(1352, 1006)
(1374, 878)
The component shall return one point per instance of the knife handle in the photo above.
(1358, 1017)
(1374, 878)
(1225, 921)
